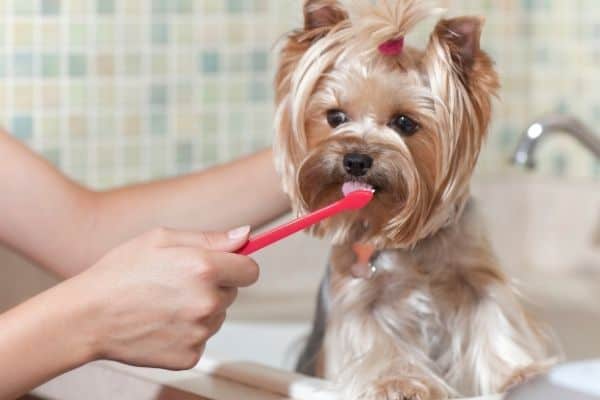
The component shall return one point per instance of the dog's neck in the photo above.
(436, 242)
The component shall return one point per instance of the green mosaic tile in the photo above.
(206, 76)
(79, 157)
(50, 7)
(237, 62)
(259, 91)
(23, 64)
(236, 122)
(50, 65)
(159, 64)
(160, 6)
(209, 150)
(132, 155)
(106, 126)
(158, 95)
(259, 60)
(210, 62)
(212, 6)
(210, 92)
(23, 7)
(184, 6)
(132, 64)
(158, 124)
(77, 65)
(51, 129)
(236, 6)
(158, 157)
(184, 33)
(105, 33)
(106, 156)
(160, 33)
(209, 123)
(22, 127)
(53, 156)
(184, 154)
(235, 92)
(105, 6)
(184, 93)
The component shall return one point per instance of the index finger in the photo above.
(233, 270)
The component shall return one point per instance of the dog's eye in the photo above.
(336, 118)
(404, 125)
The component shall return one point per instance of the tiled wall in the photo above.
(114, 91)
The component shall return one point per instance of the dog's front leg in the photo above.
(373, 346)
(492, 343)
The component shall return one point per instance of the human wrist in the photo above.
(78, 311)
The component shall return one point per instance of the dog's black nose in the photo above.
(357, 164)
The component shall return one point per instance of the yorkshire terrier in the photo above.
(414, 304)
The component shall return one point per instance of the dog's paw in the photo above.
(402, 389)
(524, 374)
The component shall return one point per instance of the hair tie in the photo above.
(392, 47)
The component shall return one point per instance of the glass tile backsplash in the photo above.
(114, 91)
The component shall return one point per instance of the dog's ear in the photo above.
(462, 37)
(457, 42)
(322, 15)
(459, 69)
(463, 82)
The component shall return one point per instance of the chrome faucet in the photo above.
(553, 123)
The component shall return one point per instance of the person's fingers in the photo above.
(233, 270)
(219, 241)
(228, 295)
(214, 323)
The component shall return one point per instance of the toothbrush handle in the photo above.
(264, 239)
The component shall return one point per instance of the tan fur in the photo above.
(440, 318)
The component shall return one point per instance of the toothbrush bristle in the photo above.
(359, 198)
(353, 186)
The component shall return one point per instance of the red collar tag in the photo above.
(362, 266)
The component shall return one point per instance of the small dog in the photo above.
(414, 304)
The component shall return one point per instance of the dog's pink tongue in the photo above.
(352, 186)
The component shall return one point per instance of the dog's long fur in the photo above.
(440, 318)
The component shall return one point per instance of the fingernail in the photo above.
(239, 233)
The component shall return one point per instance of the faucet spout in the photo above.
(553, 123)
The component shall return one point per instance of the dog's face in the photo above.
(410, 124)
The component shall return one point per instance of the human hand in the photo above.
(157, 299)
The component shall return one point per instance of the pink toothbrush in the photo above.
(356, 196)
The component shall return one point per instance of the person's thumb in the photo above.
(225, 241)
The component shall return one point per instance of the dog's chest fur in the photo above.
(424, 308)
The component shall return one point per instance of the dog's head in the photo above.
(354, 104)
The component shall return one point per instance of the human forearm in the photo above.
(243, 192)
(107, 312)
(66, 228)
(43, 338)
